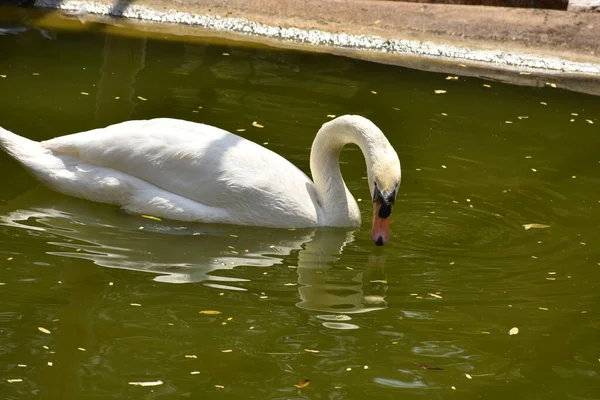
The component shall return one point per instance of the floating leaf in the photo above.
(43, 330)
(151, 383)
(468, 376)
(85, 93)
(142, 98)
(513, 331)
(437, 296)
(486, 85)
(303, 383)
(151, 217)
(425, 366)
(257, 125)
(311, 351)
(210, 312)
(15, 380)
(535, 226)
(439, 91)
(331, 115)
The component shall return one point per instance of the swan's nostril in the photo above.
(379, 241)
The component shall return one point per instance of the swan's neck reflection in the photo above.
(328, 282)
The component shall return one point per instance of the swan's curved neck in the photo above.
(339, 206)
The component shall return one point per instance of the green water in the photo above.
(122, 304)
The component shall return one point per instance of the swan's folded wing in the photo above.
(199, 162)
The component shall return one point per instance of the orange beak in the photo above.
(380, 233)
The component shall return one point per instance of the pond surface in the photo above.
(94, 299)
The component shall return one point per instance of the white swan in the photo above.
(194, 172)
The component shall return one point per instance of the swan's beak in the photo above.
(382, 209)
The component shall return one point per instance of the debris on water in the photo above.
(220, 386)
(311, 351)
(331, 115)
(486, 332)
(225, 54)
(226, 351)
(50, 363)
(374, 92)
(535, 226)
(303, 383)
(534, 170)
(349, 369)
(486, 85)
(437, 296)
(36, 74)
(589, 121)
(523, 117)
(443, 166)
(440, 91)
(194, 372)
(142, 98)
(14, 380)
(210, 312)
(84, 93)
(425, 366)
(444, 114)
(468, 376)
(451, 78)
(191, 356)
(513, 331)
(81, 349)
(257, 125)
(9, 259)
(151, 217)
(240, 130)
(43, 330)
(2, 76)
(551, 85)
(508, 122)
(366, 367)
(543, 103)
(543, 308)
(453, 387)
(150, 383)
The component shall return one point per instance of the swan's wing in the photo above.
(202, 163)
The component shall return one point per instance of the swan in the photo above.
(189, 171)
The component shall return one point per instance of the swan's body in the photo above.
(193, 172)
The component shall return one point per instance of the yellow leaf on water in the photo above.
(210, 312)
(153, 383)
(151, 217)
(43, 330)
(303, 383)
(257, 125)
(535, 226)
(439, 91)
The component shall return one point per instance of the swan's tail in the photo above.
(19, 147)
(36, 159)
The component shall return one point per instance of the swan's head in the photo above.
(385, 183)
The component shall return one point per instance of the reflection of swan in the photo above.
(192, 253)
(193, 172)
